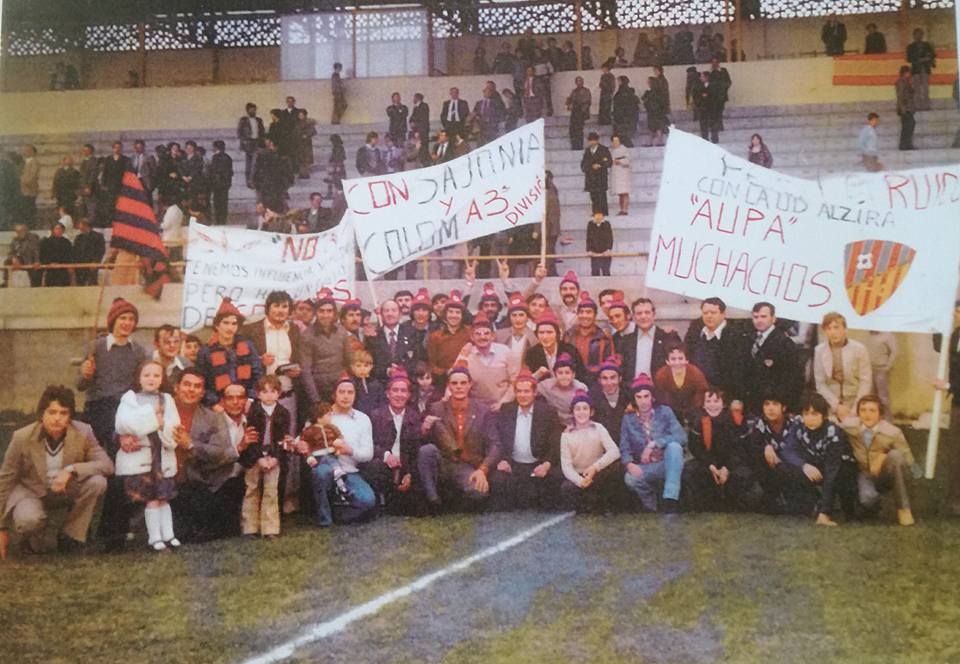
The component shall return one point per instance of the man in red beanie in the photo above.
(228, 358)
(107, 372)
(518, 337)
(445, 344)
(540, 359)
(489, 365)
(592, 343)
(569, 292)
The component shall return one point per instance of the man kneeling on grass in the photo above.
(883, 455)
(51, 464)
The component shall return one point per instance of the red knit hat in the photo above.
(581, 396)
(481, 320)
(517, 303)
(619, 303)
(549, 318)
(325, 296)
(563, 360)
(227, 309)
(421, 299)
(455, 300)
(586, 302)
(351, 305)
(117, 309)
(395, 374)
(525, 377)
(570, 277)
(460, 367)
(612, 363)
(640, 383)
(489, 293)
(344, 377)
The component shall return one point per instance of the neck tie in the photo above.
(757, 343)
(392, 343)
(268, 433)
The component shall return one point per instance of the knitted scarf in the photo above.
(232, 364)
(815, 443)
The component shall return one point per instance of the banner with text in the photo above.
(247, 265)
(402, 216)
(883, 249)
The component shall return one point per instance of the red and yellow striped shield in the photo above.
(874, 270)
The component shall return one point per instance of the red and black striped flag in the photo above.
(135, 229)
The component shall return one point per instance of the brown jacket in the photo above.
(26, 462)
(887, 437)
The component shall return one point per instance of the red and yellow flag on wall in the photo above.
(884, 68)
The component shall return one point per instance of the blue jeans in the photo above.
(359, 504)
(666, 473)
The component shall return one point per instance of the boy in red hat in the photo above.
(445, 344)
(228, 358)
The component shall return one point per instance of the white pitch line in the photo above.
(341, 622)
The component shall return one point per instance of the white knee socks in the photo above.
(166, 525)
(154, 532)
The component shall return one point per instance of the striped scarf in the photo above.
(230, 364)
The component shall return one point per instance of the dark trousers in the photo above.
(604, 494)
(598, 202)
(709, 126)
(385, 482)
(28, 205)
(220, 205)
(953, 462)
(519, 490)
(444, 478)
(839, 480)
(201, 514)
(907, 124)
(741, 492)
(606, 105)
(785, 490)
(101, 415)
(577, 122)
(250, 158)
(600, 266)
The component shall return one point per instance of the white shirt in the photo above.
(254, 127)
(178, 363)
(278, 345)
(452, 114)
(172, 224)
(237, 430)
(522, 449)
(358, 434)
(764, 336)
(716, 334)
(398, 425)
(644, 351)
(112, 341)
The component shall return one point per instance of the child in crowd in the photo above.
(680, 385)
(370, 395)
(599, 245)
(263, 460)
(588, 459)
(425, 393)
(782, 483)
(560, 390)
(148, 425)
(821, 450)
(191, 347)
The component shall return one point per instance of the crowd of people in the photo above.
(489, 398)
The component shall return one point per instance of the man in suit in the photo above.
(770, 361)
(193, 169)
(713, 345)
(645, 349)
(397, 435)
(251, 133)
(952, 387)
(720, 77)
(51, 464)
(221, 178)
(517, 337)
(66, 184)
(30, 183)
(319, 218)
(453, 114)
(443, 151)
(145, 166)
(111, 177)
(393, 347)
(397, 114)
(489, 111)
(420, 122)
(465, 447)
(578, 103)
(209, 478)
(595, 166)
(369, 157)
(841, 367)
(288, 128)
(271, 177)
(89, 182)
(528, 475)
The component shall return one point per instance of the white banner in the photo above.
(247, 265)
(882, 249)
(402, 216)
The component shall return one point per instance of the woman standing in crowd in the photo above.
(758, 153)
(620, 176)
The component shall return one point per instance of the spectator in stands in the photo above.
(654, 104)
(51, 464)
(88, 247)
(325, 350)
(336, 164)
(441, 151)
(621, 177)
(503, 62)
(608, 84)
(882, 349)
(868, 142)
(145, 167)
(480, 66)
(29, 184)
(370, 158)
(465, 445)
(56, 249)
(513, 110)
(708, 99)
(9, 191)
(220, 179)
(586, 59)
(305, 128)
(588, 459)
(758, 152)
(821, 450)
(720, 475)
(680, 385)
(413, 150)
(906, 104)
(652, 444)
(568, 57)
(420, 121)
(453, 113)
(834, 36)
(397, 114)
(682, 48)
(193, 170)
(318, 217)
(489, 112)
(392, 156)
(600, 244)
(720, 77)
(644, 54)
(626, 111)
(595, 164)
(644, 350)
(533, 96)
(770, 361)
(578, 103)
(66, 184)
(339, 92)
(544, 70)
(875, 42)
(705, 50)
(272, 177)
(25, 251)
(459, 146)
(841, 367)
(923, 59)
(883, 456)
(250, 132)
